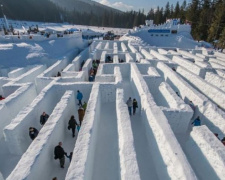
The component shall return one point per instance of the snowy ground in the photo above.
(158, 142)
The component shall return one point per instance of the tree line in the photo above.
(207, 17)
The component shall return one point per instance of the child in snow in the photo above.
(70, 156)
(197, 122)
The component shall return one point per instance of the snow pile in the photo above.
(45, 52)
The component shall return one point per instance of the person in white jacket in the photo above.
(130, 105)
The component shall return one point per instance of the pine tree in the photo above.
(193, 16)
(204, 20)
(167, 14)
(218, 22)
(177, 10)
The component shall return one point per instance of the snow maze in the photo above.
(158, 142)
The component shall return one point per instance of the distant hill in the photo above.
(84, 6)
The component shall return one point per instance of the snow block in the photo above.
(190, 55)
(159, 56)
(147, 54)
(38, 156)
(206, 154)
(124, 47)
(128, 160)
(219, 54)
(3, 80)
(14, 103)
(178, 114)
(16, 73)
(220, 72)
(129, 58)
(217, 61)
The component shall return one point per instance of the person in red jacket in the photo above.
(1, 98)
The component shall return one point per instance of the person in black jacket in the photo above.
(44, 117)
(33, 132)
(72, 124)
(135, 105)
(59, 154)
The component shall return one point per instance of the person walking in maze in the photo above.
(72, 125)
(197, 122)
(135, 105)
(81, 114)
(59, 154)
(70, 156)
(44, 117)
(84, 106)
(79, 97)
(129, 104)
(33, 132)
(1, 97)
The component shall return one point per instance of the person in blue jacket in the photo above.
(79, 97)
(197, 122)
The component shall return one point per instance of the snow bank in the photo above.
(206, 154)
(191, 66)
(128, 160)
(44, 52)
(215, 80)
(169, 159)
(209, 90)
(39, 154)
(14, 103)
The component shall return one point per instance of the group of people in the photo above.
(132, 103)
(93, 70)
(33, 132)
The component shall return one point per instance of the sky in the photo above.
(127, 5)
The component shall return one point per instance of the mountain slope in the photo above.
(84, 6)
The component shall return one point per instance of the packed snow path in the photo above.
(158, 142)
